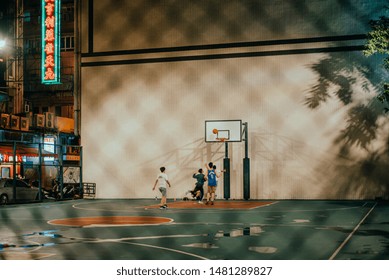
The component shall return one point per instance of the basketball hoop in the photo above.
(223, 131)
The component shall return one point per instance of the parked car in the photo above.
(24, 192)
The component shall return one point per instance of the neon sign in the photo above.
(8, 158)
(51, 41)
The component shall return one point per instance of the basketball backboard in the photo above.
(223, 131)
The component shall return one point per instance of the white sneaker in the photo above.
(200, 202)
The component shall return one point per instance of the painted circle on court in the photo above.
(101, 221)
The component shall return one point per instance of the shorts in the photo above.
(198, 187)
(163, 191)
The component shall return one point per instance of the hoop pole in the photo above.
(246, 165)
(226, 174)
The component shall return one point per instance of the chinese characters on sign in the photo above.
(8, 158)
(50, 41)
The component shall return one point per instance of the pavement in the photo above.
(125, 229)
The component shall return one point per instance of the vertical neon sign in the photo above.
(51, 41)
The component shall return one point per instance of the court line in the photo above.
(166, 249)
(351, 234)
(261, 209)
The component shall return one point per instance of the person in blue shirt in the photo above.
(212, 183)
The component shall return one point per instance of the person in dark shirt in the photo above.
(198, 191)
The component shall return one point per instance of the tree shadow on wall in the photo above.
(360, 166)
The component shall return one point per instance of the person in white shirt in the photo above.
(162, 181)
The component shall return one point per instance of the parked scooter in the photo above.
(68, 191)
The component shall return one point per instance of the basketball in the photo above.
(214, 131)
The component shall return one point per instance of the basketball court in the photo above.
(228, 230)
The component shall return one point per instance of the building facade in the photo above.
(35, 116)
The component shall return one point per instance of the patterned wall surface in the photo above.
(142, 24)
(154, 71)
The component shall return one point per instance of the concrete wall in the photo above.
(154, 71)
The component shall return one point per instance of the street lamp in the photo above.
(12, 55)
(2, 46)
(3, 95)
(2, 43)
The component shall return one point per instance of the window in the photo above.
(33, 45)
(67, 43)
(58, 110)
(67, 14)
(5, 172)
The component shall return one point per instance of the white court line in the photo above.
(352, 233)
(261, 208)
(167, 249)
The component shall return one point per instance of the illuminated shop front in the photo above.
(39, 164)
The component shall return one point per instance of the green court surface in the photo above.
(228, 230)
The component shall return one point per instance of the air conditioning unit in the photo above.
(15, 122)
(49, 120)
(24, 123)
(4, 123)
(39, 120)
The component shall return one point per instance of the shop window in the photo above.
(5, 172)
